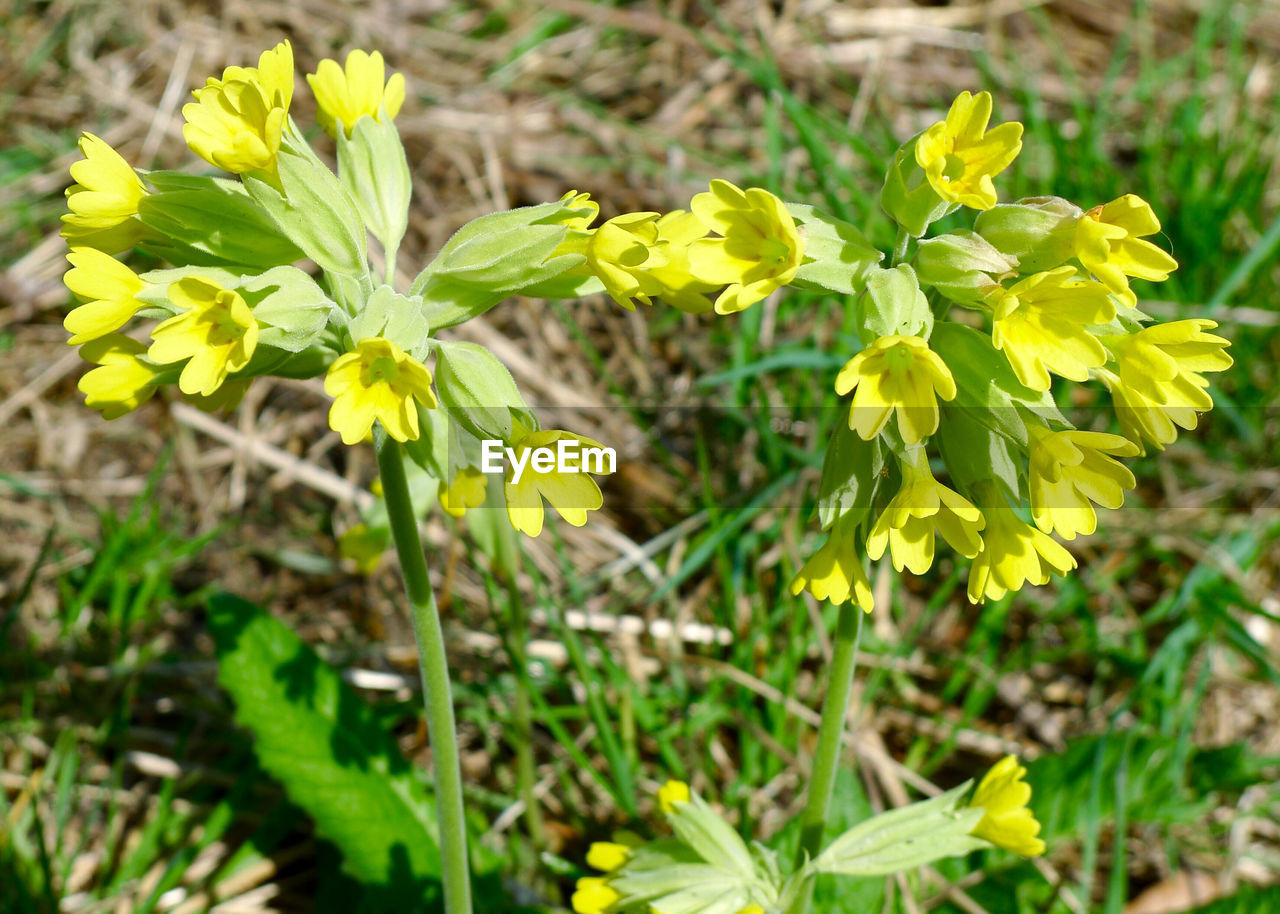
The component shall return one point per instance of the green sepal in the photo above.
(395, 317)
(477, 389)
(963, 266)
(313, 209)
(908, 197)
(308, 363)
(373, 167)
(850, 470)
(976, 453)
(292, 308)
(837, 257)
(492, 531)
(1039, 232)
(893, 304)
(431, 450)
(905, 838)
(211, 221)
(711, 837)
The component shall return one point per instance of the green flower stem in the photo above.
(900, 246)
(844, 660)
(435, 677)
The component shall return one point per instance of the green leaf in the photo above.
(325, 746)
(837, 255)
(373, 167)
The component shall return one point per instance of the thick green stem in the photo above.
(835, 706)
(900, 246)
(435, 678)
(526, 771)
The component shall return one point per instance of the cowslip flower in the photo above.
(236, 122)
(760, 251)
(1069, 471)
(123, 380)
(466, 491)
(104, 199)
(896, 374)
(216, 332)
(344, 94)
(671, 793)
(377, 381)
(1164, 361)
(594, 895)
(1142, 418)
(607, 856)
(1013, 553)
(960, 155)
(1108, 242)
(677, 230)
(621, 252)
(1040, 323)
(109, 289)
(835, 571)
(572, 494)
(922, 506)
(1008, 823)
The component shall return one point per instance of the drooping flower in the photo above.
(1142, 418)
(922, 506)
(621, 252)
(1164, 361)
(677, 230)
(466, 491)
(377, 381)
(960, 155)
(109, 289)
(1013, 553)
(1069, 471)
(593, 895)
(216, 332)
(123, 380)
(572, 494)
(896, 373)
(360, 89)
(236, 122)
(671, 793)
(1109, 244)
(104, 199)
(760, 251)
(1008, 823)
(1041, 325)
(835, 571)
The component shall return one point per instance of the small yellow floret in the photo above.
(1008, 823)
(109, 289)
(572, 494)
(1069, 471)
(922, 506)
(607, 856)
(123, 380)
(360, 89)
(1013, 553)
(236, 122)
(960, 155)
(896, 373)
(1109, 244)
(594, 895)
(466, 491)
(380, 382)
(835, 571)
(104, 199)
(671, 793)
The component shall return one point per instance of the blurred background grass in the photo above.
(1144, 687)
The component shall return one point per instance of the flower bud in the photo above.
(1038, 232)
(962, 265)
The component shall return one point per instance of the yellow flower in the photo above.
(466, 491)
(922, 506)
(1141, 417)
(607, 856)
(216, 332)
(123, 380)
(1068, 471)
(572, 494)
(621, 252)
(752, 909)
(896, 373)
(594, 896)
(1008, 823)
(109, 289)
(343, 96)
(1109, 243)
(835, 572)
(1040, 325)
(960, 156)
(104, 199)
(671, 793)
(1012, 554)
(377, 381)
(677, 230)
(236, 122)
(363, 546)
(1163, 362)
(761, 249)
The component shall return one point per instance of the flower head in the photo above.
(1069, 470)
(466, 491)
(896, 373)
(593, 895)
(922, 506)
(1013, 553)
(1041, 325)
(1109, 244)
(104, 199)
(572, 494)
(835, 571)
(1003, 796)
(123, 380)
(960, 155)
(1165, 361)
(378, 381)
(607, 856)
(109, 289)
(671, 793)
(216, 333)
(677, 230)
(621, 252)
(360, 89)
(760, 251)
(236, 122)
